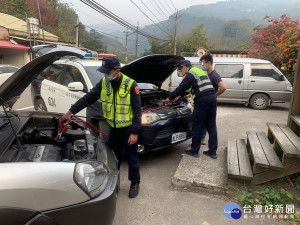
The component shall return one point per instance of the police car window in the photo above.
(12, 69)
(94, 75)
(230, 70)
(52, 72)
(263, 70)
(3, 69)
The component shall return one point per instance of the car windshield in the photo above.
(94, 75)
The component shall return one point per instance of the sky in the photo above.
(128, 11)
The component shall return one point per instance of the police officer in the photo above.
(121, 106)
(205, 106)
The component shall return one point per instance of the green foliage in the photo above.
(91, 40)
(297, 180)
(267, 196)
(17, 8)
(193, 40)
(246, 198)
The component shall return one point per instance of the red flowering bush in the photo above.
(265, 42)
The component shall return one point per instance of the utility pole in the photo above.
(41, 26)
(77, 32)
(137, 40)
(126, 46)
(175, 32)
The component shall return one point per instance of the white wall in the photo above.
(14, 57)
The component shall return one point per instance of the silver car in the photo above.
(51, 174)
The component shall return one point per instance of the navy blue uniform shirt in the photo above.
(189, 81)
(94, 95)
(215, 79)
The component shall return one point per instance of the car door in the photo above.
(265, 79)
(233, 76)
(68, 98)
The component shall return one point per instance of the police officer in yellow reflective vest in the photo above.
(121, 106)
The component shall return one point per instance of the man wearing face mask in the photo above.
(205, 106)
(121, 106)
(217, 82)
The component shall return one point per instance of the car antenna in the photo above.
(12, 127)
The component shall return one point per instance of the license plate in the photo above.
(178, 137)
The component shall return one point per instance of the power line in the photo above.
(155, 7)
(163, 6)
(173, 5)
(160, 9)
(169, 7)
(150, 18)
(94, 5)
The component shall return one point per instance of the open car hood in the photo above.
(154, 69)
(13, 87)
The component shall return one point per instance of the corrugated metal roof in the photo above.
(13, 23)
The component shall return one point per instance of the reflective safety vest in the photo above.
(202, 79)
(116, 107)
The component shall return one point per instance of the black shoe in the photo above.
(134, 190)
(208, 153)
(189, 152)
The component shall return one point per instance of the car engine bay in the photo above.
(152, 99)
(37, 141)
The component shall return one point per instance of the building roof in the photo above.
(8, 44)
(18, 27)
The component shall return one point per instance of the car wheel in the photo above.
(40, 105)
(260, 101)
(105, 128)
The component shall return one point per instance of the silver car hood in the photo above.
(13, 87)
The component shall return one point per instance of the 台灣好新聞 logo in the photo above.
(232, 210)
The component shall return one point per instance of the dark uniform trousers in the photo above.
(118, 139)
(204, 115)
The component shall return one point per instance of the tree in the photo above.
(193, 40)
(289, 45)
(265, 41)
(45, 8)
(17, 8)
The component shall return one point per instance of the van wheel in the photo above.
(40, 105)
(260, 101)
(105, 128)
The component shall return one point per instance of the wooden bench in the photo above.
(238, 163)
(285, 139)
(294, 124)
(262, 151)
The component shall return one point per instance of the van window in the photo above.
(230, 70)
(263, 70)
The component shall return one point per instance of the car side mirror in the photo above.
(75, 86)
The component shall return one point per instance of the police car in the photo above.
(65, 81)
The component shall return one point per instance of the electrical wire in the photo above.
(149, 17)
(94, 5)
(169, 7)
(164, 7)
(160, 9)
(173, 5)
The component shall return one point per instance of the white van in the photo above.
(248, 80)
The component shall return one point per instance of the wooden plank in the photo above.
(296, 119)
(289, 160)
(272, 158)
(292, 137)
(232, 158)
(285, 144)
(256, 149)
(244, 163)
(274, 174)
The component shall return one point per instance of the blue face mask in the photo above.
(109, 78)
(204, 68)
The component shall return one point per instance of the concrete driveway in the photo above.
(159, 202)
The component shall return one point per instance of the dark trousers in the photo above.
(204, 115)
(118, 140)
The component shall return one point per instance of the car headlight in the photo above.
(289, 88)
(91, 176)
(149, 118)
